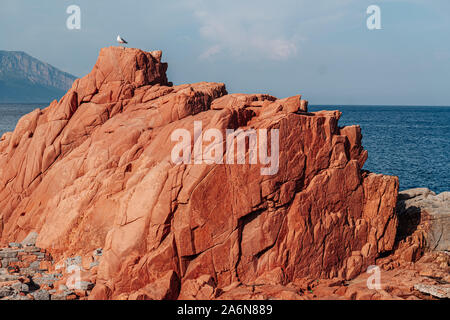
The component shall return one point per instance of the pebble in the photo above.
(75, 261)
(24, 280)
(41, 295)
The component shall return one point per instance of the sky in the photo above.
(321, 49)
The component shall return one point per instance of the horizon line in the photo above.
(337, 105)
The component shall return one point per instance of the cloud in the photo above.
(210, 52)
(246, 32)
(266, 29)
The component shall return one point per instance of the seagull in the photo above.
(121, 40)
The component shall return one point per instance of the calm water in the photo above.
(11, 113)
(410, 142)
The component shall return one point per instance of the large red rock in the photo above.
(94, 170)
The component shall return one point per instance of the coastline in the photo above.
(90, 184)
(417, 269)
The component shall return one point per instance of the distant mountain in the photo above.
(26, 79)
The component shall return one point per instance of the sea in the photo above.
(411, 142)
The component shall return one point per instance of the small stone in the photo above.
(434, 290)
(40, 255)
(84, 285)
(8, 254)
(41, 295)
(21, 287)
(6, 292)
(98, 252)
(9, 277)
(32, 249)
(44, 280)
(58, 297)
(68, 292)
(34, 265)
(75, 261)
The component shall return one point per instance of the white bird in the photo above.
(121, 40)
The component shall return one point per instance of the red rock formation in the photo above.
(94, 170)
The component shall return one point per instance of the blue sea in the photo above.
(412, 143)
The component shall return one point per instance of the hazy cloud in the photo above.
(321, 49)
(246, 32)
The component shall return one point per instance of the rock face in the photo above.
(422, 208)
(94, 170)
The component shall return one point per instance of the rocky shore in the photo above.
(29, 273)
(92, 179)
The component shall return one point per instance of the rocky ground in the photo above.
(426, 279)
(96, 170)
(418, 268)
(29, 273)
(414, 270)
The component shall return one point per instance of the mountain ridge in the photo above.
(24, 78)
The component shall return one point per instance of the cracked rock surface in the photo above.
(94, 170)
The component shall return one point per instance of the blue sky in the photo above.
(319, 48)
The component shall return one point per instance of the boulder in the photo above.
(421, 208)
(96, 170)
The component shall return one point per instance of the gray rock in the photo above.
(6, 261)
(8, 277)
(19, 297)
(437, 291)
(75, 261)
(84, 285)
(32, 249)
(40, 255)
(30, 239)
(93, 264)
(41, 295)
(6, 292)
(61, 296)
(8, 254)
(45, 279)
(422, 200)
(68, 292)
(413, 193)
(15, 245)
(21, 287)
(27, 271)
(34, 265)
(58, 297)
